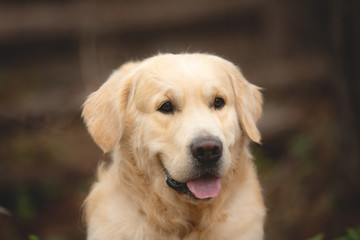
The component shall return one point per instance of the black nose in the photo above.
(207, 150)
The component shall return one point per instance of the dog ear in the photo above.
(248, 106)
(103, 111)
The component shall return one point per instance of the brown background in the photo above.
(304, 53)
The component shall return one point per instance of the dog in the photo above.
(178, 128)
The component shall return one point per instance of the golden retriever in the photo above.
(178, 127)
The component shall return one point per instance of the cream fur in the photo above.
(131, 200)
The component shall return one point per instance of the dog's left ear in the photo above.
(248, 106)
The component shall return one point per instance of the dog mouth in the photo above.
(206, 186)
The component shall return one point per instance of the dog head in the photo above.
(182, 114)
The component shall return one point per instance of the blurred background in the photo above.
(304, 53)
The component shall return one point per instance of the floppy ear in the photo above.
(248, 106)
(103, 111)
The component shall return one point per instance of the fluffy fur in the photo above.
(131, 199)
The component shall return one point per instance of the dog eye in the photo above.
(219, 103)
(166, 108)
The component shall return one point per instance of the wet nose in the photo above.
(207, 150)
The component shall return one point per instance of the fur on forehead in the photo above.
(171, 70)
(184, 62)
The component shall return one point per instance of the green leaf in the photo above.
(317, 237)
(33, 237)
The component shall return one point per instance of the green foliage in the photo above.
(33, 237)
(317, 237)
(262, 161)
(25, 208)
(302, 145)
(351, 234)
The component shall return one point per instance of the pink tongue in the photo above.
(205, 187)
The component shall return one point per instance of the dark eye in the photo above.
(219, 103)
(166, 108)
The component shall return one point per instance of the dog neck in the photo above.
(161, 206)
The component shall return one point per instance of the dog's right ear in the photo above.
(103, 111)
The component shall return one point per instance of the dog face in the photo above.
(182, 114)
